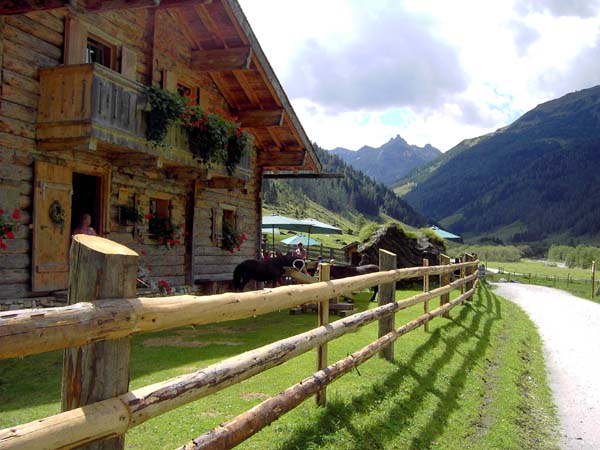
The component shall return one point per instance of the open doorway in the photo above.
(87, 199)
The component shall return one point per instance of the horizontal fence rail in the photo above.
(28, 332)
(116, 415)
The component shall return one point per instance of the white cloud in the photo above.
(359, 72)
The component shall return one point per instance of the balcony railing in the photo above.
(92, 106)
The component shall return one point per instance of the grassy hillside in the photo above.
(349, 203)
(533, 180)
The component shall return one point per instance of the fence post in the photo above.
(99, 269)
(593, 277)
(387, 294)
(468, 272)
(444, 281)
(323, 309)
(426, 289)
(462, 275)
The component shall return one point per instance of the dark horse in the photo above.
(266, 270)
(353, 271)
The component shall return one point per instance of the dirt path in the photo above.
(570, 330)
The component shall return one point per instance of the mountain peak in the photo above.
(389, 162)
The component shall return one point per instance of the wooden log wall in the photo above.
(158, 44)
(142, 184)
(28, 42)
(210, 261)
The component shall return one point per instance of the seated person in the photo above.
(300, 252)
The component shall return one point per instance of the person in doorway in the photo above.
(300, 251)
(84, 226)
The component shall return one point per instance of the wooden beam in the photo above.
(260, 118)
(221, 59)
(225, 183)
(109, 5)
(9, 7)
(275, 159)
(303, 175)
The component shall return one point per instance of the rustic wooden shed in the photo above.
(72, 136)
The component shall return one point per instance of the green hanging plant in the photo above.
(213, 138)
(167, 109)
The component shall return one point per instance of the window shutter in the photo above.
(169, 81)
(217, 226)
(128, 62)
(75, 42)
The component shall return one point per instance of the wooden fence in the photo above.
(548, 280)
(96, 326)
(328, 253)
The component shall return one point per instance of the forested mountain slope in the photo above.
(391, 161)
(538, 177)
(353, 194)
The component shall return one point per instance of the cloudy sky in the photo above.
(434, 71)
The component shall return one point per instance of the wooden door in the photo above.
(50, 253)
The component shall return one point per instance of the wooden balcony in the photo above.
(89, 107)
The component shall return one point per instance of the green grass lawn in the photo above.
(579, 284)
(539, 268)
(475, 381)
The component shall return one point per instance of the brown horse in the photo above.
(353, 271)
(267, 270)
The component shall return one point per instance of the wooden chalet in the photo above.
(72, 136)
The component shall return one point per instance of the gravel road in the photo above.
(570, 330)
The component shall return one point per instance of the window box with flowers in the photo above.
(232, 240)
(213, 137)
(8, 226)
(165, 231)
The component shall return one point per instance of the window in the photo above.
(184, 90)
(228, 220)
(160, 224)
(99, 52)
(224, 221)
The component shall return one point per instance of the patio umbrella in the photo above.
(283, 223)
(294, 240)
(317, 227)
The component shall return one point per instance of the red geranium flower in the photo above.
(10, 234)
(16, 214)
(3, 244)
(148, 216)
(1, 211)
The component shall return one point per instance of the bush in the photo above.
(500, 253)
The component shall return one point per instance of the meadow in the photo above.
(476, 380)
(574, 280)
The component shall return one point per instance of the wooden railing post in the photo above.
(99, 269)
(323, 310)
(469, 271)
(426, 289)
(387, 294)
(593, 277)
(444, 281)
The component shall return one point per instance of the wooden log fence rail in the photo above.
(31, 331)
(35, 331)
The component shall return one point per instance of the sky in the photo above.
(435, 72)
